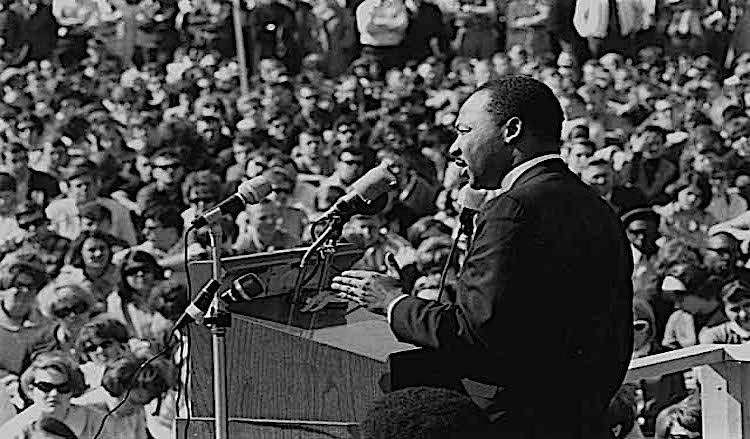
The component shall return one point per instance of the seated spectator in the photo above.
(432, 255)
(311, 157)
(68, 306)
(293, 196)
(201, 190)
(169, 299)
(119, 379)
(50, 382)
(600, 175)
(579, 153)
(261, 229)
(736, 299)
(138, 273)
(722, 257)
(81, 185)
(95, 217)
(100, 341)
(89, 260)
(642, 229)
(32, 186)
(648, 170)
(168, 174)
(686, 217)
(352, 164)
(162, 230)
(698, 305)
(425, 413)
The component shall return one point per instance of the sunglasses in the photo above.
(49, 387)
(77, 309)
(167, 167)
(136, 270)
(353, 162)
(93, 347)
(640, 325)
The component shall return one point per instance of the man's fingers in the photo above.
(350, 281)
(357, 274)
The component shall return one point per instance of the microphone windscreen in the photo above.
(375, 183)
(255, 189)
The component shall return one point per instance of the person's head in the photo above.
(52, 379)
(682, 420)
(143, 167)
(598, 174)
(692, 192)
(166, 167)
(169, 298)
(311, 143)
(363, 230)
(155, 379)
(81, 180)
(351, 164)
(15, 158)
(103, 339)
(8, 197)
(95, 217)
(346, 129)
(652, 139)
(51, 428)
(644, 323)
(21, 277)
(425, 413)
(622, 413)
(262, 220)
(432, 254)
(642, 229)
(91, 251)
(504, 123)
(258, 161)
(721, 252)
(692, 289)
(736, 299)
(138, 273)
(308, 98)
(202, 189)
(163, 226)
(68, 303)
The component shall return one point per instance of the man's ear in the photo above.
(512, 129)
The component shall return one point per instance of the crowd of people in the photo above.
(121, 122)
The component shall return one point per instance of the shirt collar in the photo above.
(515, 173)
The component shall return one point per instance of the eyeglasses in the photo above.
(77, 309)
(93, 347)
(640, 325)
(136, 270)
(49, 387)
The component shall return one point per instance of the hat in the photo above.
(735, 291)
(640, 214)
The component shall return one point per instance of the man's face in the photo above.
(95, 253)
(279, 128)
(720, 254)
(599, 177)
(739, 312)
(643, 234)
(480, 146)
(653, 144)
(16, 162)
(167, 171)
(257, 166)
(240, 150)
(19, 299)
(162, 237)
(308, 99)
(350, 167)
(310, 144)
(82, 188)
(579, 154)
(265, 220)
(362, 231)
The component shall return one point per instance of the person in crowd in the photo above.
(647, 170)
(89, 260)
(169, 298)
(579, 153)
(696, 297)
(352, 163)
(683, 419)
(201, 190)
(129, 420)
(168, 173)
(622, 414)
(642, 228)
(432, 255)
(508, 137)
(600, 175)
(382, 26)
(722, 256)
(726, 202)
(100, 341)
(81, 185)
(686, 216)
(138, 273)
(51, 381)
(13, 234)
(33, 186)
(163, 237)
(424, 412)
(261, 229)
(736, 299)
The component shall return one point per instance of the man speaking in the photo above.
(542, 313)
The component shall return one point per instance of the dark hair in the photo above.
(157, 377)
(102, 328)
(79, 167)
(205, 179)
(167, 216)
(54, 427)
(692, 179)
(73, 257)
(424, 413)
(95, 211)
(623, 410)
(661, 132)
(528, 99)
(136, 258)
(175, 291)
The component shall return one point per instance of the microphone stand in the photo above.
(218, 319)
(325, 244)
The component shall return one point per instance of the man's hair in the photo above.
(622, 410)
(528, 99)
(167, 216)
(102, 328)
(656, 129)
(424, 413)
(95, 211)
(120, 374)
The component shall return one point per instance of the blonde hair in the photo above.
(57, 292)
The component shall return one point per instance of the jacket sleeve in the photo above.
(482, 291)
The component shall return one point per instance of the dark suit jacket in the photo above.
(626, 198)
(543, 307)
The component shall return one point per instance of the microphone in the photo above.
(471, 201)
(252, 191)
(367, 195)
(244, 289)
(197, 309)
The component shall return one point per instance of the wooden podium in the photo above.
(289, 374)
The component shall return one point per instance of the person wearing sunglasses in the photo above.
(50, 382)
(168, 174)
(139, 272)
(102, 340)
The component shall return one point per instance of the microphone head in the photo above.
(244, 289)
(255, 189)
(375, 183)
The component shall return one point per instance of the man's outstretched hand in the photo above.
(368, 288)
